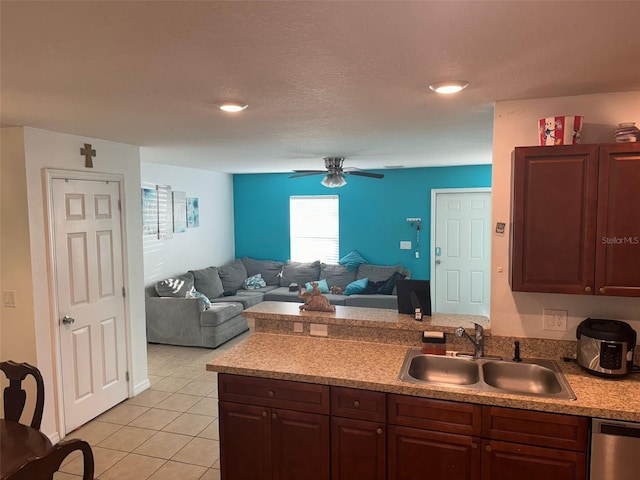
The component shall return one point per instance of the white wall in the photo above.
(515, 124)
(44, 149)
(212, 243)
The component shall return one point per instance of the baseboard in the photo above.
(141, 387)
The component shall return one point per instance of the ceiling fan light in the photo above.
(232, 107)
(334, 180)
(449, 87)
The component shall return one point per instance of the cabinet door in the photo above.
(508, 461)
(300, 445)
(554, 219)
(418, 454)
(358, 450)
(245, 442)
(618, 231)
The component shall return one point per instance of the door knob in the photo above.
(67, 320)
(438, 262)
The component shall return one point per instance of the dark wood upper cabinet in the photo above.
(576, 227)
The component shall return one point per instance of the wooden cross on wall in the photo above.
(88, 153)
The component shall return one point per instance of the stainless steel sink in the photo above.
(534, 377)
(441, 369)
(522, 377)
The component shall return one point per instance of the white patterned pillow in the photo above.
(196, 294)
(254, 282)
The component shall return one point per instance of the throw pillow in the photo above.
(358, 286)
(254, 282)
(337, 275)
(300, 273)
(233, 275)
(373, 287)
(389, 285)
(178, 286)
(269, 269)
(352, 260)
(322, 285)
(201, 296)
(207, 281)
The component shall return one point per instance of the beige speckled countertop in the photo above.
(375, 366)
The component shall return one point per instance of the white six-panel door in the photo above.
(462, 253)
(89, 284)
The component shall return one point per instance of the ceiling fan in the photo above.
(335, 173)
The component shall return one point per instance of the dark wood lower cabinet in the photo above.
(358, 450)
(509, 461)
(282, 430)
(245, 442)
(416, 454)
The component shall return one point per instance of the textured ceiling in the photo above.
(321, 78)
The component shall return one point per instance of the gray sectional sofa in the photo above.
(204, 307)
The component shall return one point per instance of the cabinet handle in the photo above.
(488, 448)
(587, 289)
(264, 414)
(379, 431)
(474, 445)
(356, 404)
(274, 416)
(603, 290)
(270, 393)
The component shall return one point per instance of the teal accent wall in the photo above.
(373, 213)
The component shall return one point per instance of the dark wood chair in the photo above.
(45, 466)
(15, 397)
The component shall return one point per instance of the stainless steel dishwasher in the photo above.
(615, 450)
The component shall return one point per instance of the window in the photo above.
(314, 228)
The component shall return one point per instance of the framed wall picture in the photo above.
(149, 211)
(193, 212)
(165, 211)
(179, 212)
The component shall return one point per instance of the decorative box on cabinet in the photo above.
(576, 225)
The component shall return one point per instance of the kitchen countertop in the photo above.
(375, 366)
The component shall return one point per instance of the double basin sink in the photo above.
(534, 377)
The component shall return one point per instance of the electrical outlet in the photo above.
(405, 245)
(9, 298)
(318, 330)
(555, 320)
(298, 327)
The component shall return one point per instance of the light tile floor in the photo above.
(167, 432)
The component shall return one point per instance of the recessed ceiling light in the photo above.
(452, 86)
(232, 107)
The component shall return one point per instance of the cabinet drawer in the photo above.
(303, 397)
(535, 428)
(360, 404)
(436, 415)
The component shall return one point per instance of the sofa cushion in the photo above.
(357, 286)
(300, 273)
(245, 298)
(377, 273)
(219, 313)
(337, 275)
(207, 281)
(177, 286)
(389, 302)
(269, 269)
(233, 275)
(352, 260)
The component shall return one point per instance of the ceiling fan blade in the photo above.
(363, 174)
(306, 173)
